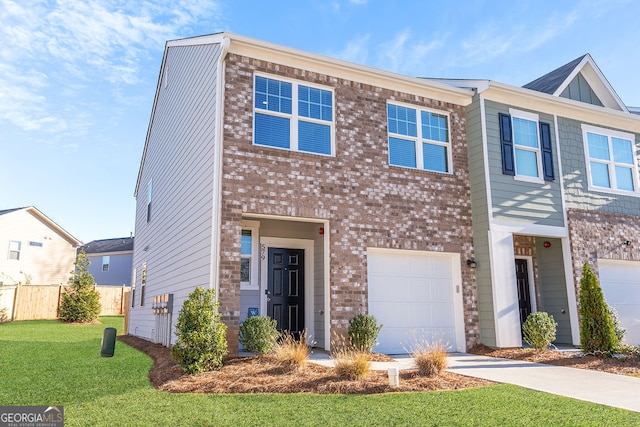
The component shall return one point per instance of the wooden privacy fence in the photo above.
(30, 302)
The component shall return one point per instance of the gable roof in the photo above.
(556, 81)
(47, 221)
(120, 244)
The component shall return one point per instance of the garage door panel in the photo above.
(411, 295)
(620, 282)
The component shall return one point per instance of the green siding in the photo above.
(576, 181)
(519, 201)
(552, 286)
(579, 90)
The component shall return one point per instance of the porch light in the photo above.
(627, 243)
(472, 263)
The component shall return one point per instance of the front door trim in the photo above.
(307, 246)
(532, 283)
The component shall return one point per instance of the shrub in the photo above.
(597, 333)
(202, 341)
(292, 352)
(80, 302)
(430, 358)
(363, 332)
(351, 364)
(539, 330)
(617, 327)
(258, 334)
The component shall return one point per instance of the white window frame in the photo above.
(532, 117)
(133, 288)
(18, 251)
(254, 283)
(149, 195)
(419, 140)
(609, 133)
(107, 264)
(293, 117)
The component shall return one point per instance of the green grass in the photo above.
(49, 363)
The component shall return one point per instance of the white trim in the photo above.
(572, 299)
(309, 275)
(533, 286)
(327, 285)
(611, 163)
(529, 229)
(485, 159)
(254, 281)
(531, 117)
(560, 173)
(456, 275)
(294, 117)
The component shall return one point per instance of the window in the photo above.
(527, 152)
(14, 249)
(418, 139)
(105, 263)
(133, 288)
(149, 192)
(249, 255)
(293, 116)
(143, 283)
(36, 244)
(611, 159)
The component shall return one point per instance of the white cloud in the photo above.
(57, 50)
(356, 50)
(406, 54)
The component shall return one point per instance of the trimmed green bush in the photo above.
(202, 341)
(539, 330)
(259, 335)
(597, 333)
(80, 301)
(363, 332)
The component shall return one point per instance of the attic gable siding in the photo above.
(180, 161)
(48, 264)
(519, 201)
(579, 90)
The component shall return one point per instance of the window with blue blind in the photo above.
(293, 116)
(418, 139)
(611, 159)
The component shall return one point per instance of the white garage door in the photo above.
(415, 295)
(620, 282)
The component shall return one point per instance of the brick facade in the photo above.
(368, 202)
(601, 235)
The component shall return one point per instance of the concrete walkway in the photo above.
(618, 391)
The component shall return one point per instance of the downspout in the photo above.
(216, 220)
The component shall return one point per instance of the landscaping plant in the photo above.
(363, 332)
(597, 332)
(351, 364)
(617, 327)
(292, 352)
(202, 341)
(539, 330)
(258, 334)
(80, 301)
(430, 357)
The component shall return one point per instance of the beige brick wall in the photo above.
(596, 235)
(368, 202)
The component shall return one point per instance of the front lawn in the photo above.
(49, 363)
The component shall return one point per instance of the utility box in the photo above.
(108, 342)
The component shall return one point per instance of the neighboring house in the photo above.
(111, 260)
(305, 188)
(554, 184)
(36, 250)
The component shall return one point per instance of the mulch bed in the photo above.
(265, 375)
(573, 359)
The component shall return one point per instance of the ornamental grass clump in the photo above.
(539, 330)
(597, 332)
(292, 352)
(351, 364)
(202, 337)
(430, 358)
(259, 335)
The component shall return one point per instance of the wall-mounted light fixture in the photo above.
(472, 263)
(627, 243)
(146, 248)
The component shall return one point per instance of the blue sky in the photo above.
(77, 78)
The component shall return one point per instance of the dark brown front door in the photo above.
(285, 289)
(524, 293)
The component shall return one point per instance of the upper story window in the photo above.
(611, 159)
(14, 249)
(293, 116)
(418, 139)
(149, 194)
(105, 263)
(527, 153)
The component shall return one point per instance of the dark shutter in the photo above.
(506, 143)
(547, 152)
